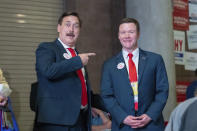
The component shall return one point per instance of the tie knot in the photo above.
(70, 49)
(130, 55)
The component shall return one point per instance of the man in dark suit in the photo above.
(63, 102)
(134, 84)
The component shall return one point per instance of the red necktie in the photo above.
(132, 69)
(84, 98)
(133, 80)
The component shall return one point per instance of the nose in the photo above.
(127, 34)
(72, 28)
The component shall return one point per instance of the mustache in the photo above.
(70, 34)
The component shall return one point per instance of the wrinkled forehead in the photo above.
(127, 26)
(71, 19)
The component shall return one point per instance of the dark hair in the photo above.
(69, 14)
(131, 20)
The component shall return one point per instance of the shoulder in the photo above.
(184, 105)
(151, 56)
(51, 46)
(112, 59)
(47, 44)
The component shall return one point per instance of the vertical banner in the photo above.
(180, 15)
(180, 5)
(179, 47)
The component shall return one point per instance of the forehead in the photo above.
(127, 26)
(71, 18)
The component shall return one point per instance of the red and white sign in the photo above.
(180, 15)
(179, 47)
(180, 5)
(181, 87)
(180, 20)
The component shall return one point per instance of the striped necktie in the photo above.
(133, 80)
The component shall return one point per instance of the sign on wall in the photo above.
(180, 15)
(190, 61)
(193, 11)
(179, 47)
(192, 37)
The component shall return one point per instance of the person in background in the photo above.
(134, 85)
(184, 116)
(191, 88)
(63, 101)
(4, 89)
(100, 120)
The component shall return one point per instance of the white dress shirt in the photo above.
(135, 59)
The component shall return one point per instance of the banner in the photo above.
(180, 15)
(180, 20)
(180, 5)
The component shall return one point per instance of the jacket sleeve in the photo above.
(47, 65)
(161, 92)
(108, 96)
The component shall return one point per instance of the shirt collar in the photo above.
(64, 45)
(135, 53)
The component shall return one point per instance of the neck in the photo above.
(130, 50)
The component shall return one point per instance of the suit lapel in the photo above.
(61, 48)
(141, 65)
(123, 73)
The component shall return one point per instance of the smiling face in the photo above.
(69, 30)
(128, 36)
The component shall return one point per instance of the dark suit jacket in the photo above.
(59, 92)
(33, 96)
(153, 87)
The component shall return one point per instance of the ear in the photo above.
(58, 27)
(138, 35)
(118, 35)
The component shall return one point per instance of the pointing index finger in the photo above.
(91, 54)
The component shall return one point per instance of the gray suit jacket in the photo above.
(184, 116)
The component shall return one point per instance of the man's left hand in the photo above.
(143, 120)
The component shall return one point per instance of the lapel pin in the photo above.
(67, 56)
(120, 65)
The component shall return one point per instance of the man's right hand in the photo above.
(85, 57)
(131, 121)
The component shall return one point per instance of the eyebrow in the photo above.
(71, 21)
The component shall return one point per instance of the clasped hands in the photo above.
(137, 122)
